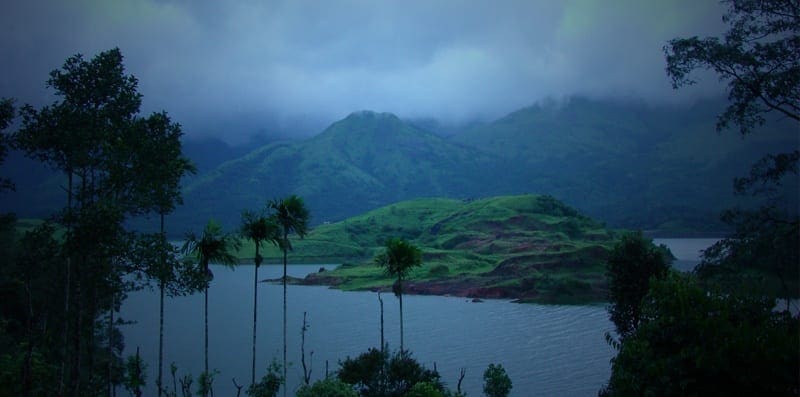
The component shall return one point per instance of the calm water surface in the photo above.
(546, 349)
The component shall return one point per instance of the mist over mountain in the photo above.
(627, 164)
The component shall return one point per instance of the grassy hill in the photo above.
(528, 247)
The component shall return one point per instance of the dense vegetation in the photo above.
(723, 330)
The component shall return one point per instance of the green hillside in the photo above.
(632, 165)
(362, 162)
(664, 169)
(532, 248)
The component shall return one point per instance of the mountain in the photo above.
(361, 162)
(628, 164)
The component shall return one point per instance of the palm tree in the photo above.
(259, 229)
(398, 259)
(291, 216)
(213, 246)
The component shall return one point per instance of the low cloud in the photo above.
(234, 68)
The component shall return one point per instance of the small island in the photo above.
(529, 248)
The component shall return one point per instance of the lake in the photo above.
(545, 349)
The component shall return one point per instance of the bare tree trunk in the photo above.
(65, 342)
(205, 312)
(255, 313)
(26, 367)
(285, 237)
(381, 302)
(400, 295)
(109, 366)
(160, 378)
(306, 370)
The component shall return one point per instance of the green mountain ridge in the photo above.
(659, 168)
(361, 162)
(627, 164)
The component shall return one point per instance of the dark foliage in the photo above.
(759, 58)
(379, 373)
(695, 341)
(632, 263)
(496, 382)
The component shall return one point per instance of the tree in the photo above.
(397, 260)
(759, 58)
(630, 266)
(86, 135)
(270, 383)
(153, 257)
(291, 216)
(259, 229)
(496, 382)
(6, 115)
(135, 374)
(698, 341)
(213, 246)
(160, 165)
(376, 373)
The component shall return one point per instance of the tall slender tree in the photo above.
(397, 260)
(85, 135)
(258, 228)
(292, 216)
(213, 246)
(162, 167)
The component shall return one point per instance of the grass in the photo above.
(532, 247)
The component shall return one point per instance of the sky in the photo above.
(235, 68)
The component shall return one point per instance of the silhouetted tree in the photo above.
(89, 135)
(759, 59)
(697, 341)
(397, 260)
(292, 216)
(633, 262)
(376, 373)
(258, 228)
(213, 246)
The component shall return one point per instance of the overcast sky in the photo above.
(234, 67)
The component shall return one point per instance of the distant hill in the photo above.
(658, 168)
(359, 163)
(629, 164)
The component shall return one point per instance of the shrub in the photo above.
(330, 387)
(496, 382)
